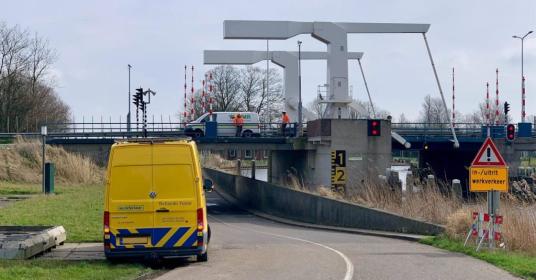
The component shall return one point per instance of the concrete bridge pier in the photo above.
(363, 157)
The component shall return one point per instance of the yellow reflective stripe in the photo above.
(165, 238)
(184, 237)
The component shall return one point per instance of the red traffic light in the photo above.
(510, 132)
(374, 127)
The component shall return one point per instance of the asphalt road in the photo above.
(244, 246)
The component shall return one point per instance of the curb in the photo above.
(393, 235)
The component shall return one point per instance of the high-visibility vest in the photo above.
(286, 119)
(238, 121)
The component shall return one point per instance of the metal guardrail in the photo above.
(119, 130)
(158, 129)
(440, 130)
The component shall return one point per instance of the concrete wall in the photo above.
(366, 156)
(304, 207)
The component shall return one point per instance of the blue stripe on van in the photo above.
(176, 236)
(122, 231)
(112, 239)
(158, 234)
(191, 240)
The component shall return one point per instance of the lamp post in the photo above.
(128, 115)
(300, 120)
(522, 38)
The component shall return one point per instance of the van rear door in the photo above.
(130, 203)
(175, 181)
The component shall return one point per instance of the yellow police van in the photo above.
(154, 201)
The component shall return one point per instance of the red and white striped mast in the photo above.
(192, 100)
(203, 95)
(453, 100)
(210, 92)
(185, 114)
(488, 110)
(497, 96)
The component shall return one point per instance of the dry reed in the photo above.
(21, 162)
(443, 207)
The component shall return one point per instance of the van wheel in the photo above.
(202, 257)
(198, 133)
(247, 133)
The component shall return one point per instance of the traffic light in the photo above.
(374, 127)
(510, 132)
(506, 108)
(136, 100)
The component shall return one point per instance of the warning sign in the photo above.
(483, 179)
(488, 171)
(488, 155)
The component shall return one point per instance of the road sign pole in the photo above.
(489, 173)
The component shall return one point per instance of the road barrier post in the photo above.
(253, 169)
(238, 167)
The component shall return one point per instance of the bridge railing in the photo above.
(437, 129)
(121, 130)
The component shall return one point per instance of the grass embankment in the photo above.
(516, 263)
(22, 161)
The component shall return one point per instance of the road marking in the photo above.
(349, 266)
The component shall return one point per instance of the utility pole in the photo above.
(300, 119)
(128, 115)
(267, 68)
(522, 38)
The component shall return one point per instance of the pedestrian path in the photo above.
(76, 251)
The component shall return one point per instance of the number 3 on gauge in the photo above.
(340, 175)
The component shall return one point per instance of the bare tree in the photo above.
(226, 80)
(433, 111)
(246, 90)
(27, 98)
(270, 102)
(252, 84)
(403, 119)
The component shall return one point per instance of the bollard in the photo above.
(238, 167)
(253, 169)
(430, 181)
(50, 171)
(457, 188)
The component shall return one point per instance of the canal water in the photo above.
(260, 174)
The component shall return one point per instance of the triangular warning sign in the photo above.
(488, 155)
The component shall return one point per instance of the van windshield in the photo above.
(203, 118)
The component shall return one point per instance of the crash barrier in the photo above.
(309, 208)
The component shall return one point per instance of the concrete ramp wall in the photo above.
(304, 207)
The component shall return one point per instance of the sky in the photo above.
(95, 40)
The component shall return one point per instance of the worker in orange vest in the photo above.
(285, 120)
(238, 121)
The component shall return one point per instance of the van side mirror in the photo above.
(208, 185)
